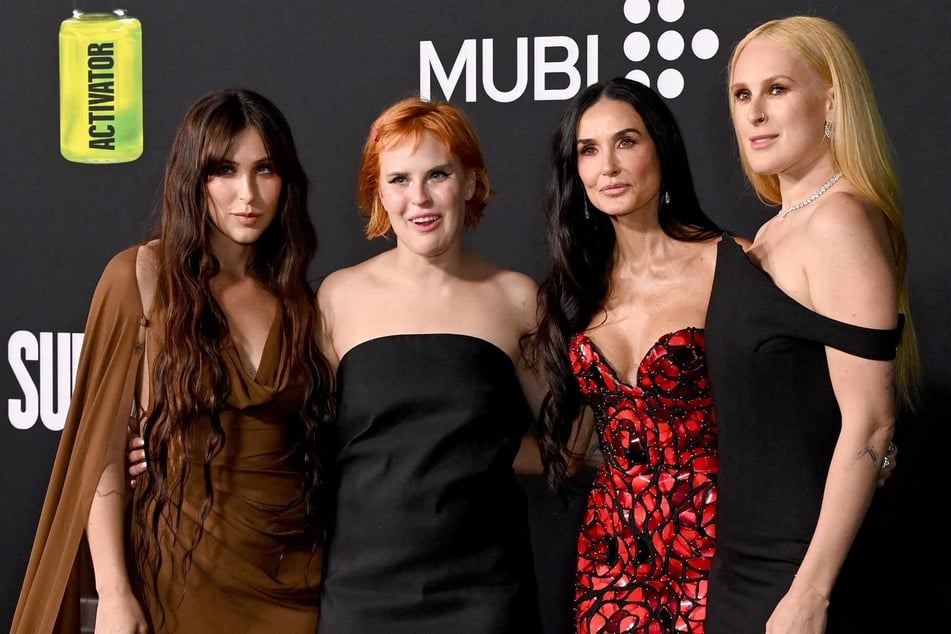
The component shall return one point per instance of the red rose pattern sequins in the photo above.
(646, 544)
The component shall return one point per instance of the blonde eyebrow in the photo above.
(768, 80)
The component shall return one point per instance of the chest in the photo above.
(781, 253)
(475, 311)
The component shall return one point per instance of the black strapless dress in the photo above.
(431, 526)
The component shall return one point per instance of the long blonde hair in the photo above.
(860, 150)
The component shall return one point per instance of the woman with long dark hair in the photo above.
(207, 334)
(622, 344)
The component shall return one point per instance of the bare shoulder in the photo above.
(334, 283)
(147, 272)
(696, 258)
(334, 296)
(845, 222)
(349, 281)
(492, 272)
(517, 287)
(845, 211)
(342, 302)
(148, 254)
(849, 262)
(706, 249)
(509, 294)
(119, 272)
(521, 293)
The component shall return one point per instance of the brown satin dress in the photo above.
(256, 568)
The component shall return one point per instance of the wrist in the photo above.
(812, 588)
(113, 590)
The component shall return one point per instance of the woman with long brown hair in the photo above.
(209, 332)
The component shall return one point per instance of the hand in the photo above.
(889, 462)
(120, 614)
(136, 456)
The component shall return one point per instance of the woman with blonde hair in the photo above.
(802, 332)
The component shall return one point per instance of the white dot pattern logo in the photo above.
(640, 76)
(670, 45)
(637, 46)
(705, 44)
(636, 11)
(670, 10)
(670, 82)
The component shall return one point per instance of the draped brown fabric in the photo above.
(255, 569)
(101, 403)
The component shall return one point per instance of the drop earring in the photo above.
(587, 214)
(828, 130)
(666, 198)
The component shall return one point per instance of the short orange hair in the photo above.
(411, 118)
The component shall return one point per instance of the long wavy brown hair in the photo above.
(189, 380)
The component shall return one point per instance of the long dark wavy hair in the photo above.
(582, 250)
(189, 380)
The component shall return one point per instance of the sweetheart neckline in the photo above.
(666, 337)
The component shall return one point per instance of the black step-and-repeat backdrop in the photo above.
(332, 66)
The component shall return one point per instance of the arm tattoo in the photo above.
(105, 490)
(873, 456)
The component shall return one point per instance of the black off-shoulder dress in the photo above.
(778, 421)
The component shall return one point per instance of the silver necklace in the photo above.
(812, 197)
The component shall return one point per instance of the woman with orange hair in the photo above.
(430, 530)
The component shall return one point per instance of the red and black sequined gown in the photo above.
(647, 541)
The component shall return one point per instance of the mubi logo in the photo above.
(670, 45)
(560, 60)
(566, 55)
